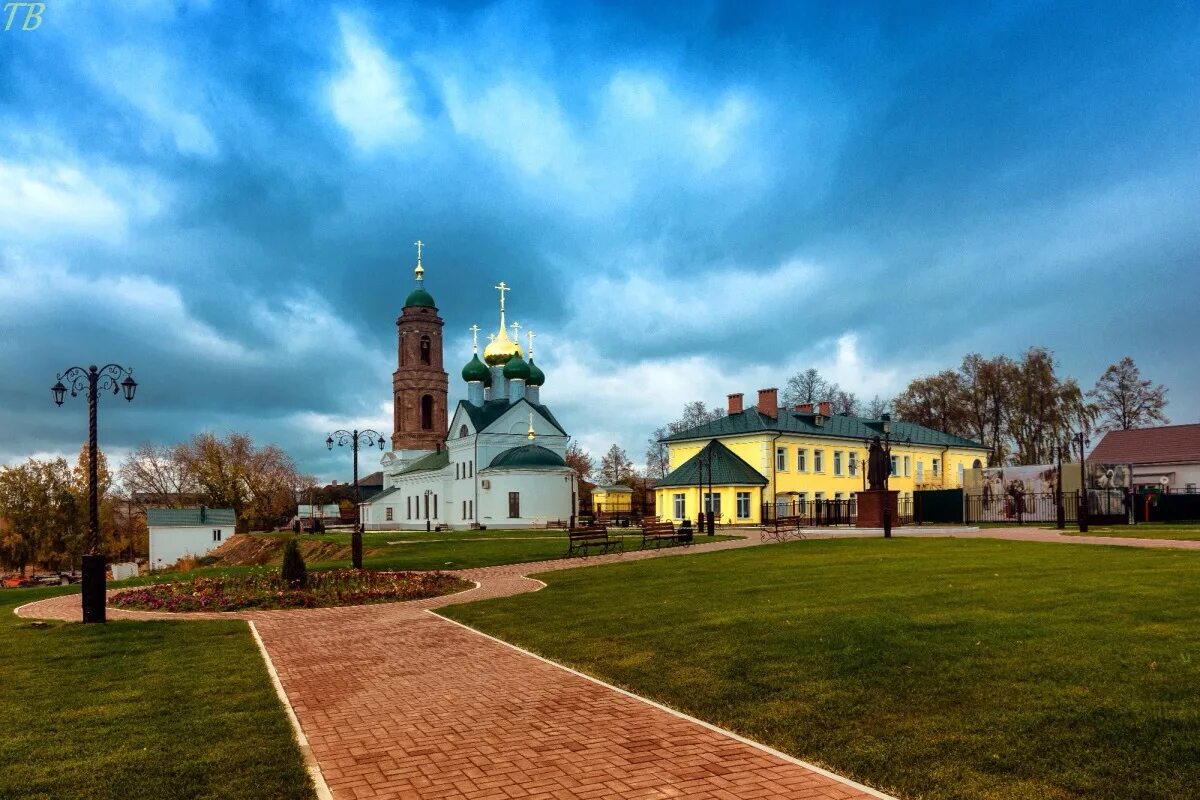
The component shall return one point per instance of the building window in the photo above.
(462, 432)
(892, 469)
(471, 469)
(681, 506)
(457, 469)
(837, 462)
(837, 495)
(217, 535)
(426, 350)
(801, 460)
(937, 467)
(818, 460)
(906, 467)
(388, 513)
(712, 503)
(427, 412)
(464, 509)
(514, 505)
(781, 459)
(435, 514)
(408, 508)
(852, 465)
(962, 474)
(920, 471)
(1191, 488)
(801, 501)
(427, 505)
(818, 496)
(743, 505)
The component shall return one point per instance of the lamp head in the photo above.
(59, 391)
(886, 421)
(129, 386)
(329, 442)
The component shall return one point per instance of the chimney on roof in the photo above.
(735, 403)
(825, 408)
(768, 402)
(804, 408)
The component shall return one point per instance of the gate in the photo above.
(938, 505)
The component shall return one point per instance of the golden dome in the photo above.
(500, 350)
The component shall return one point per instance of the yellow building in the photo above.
(788, 458)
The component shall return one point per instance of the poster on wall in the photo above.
(1020, 492)
(1109, 476)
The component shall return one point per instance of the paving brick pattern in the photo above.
(399, 703)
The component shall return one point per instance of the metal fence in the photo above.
(828, 513)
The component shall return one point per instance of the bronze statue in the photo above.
(878, 465)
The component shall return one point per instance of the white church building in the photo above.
(497, 463)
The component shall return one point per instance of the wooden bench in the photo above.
(659, 532)
(781, 528)
(582, 539)
(557, 524)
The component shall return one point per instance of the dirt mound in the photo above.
(252, 550)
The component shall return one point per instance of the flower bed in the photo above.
(340, 587)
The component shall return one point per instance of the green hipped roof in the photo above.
(516, 367)
(492, 410)
(536, 376)
(185, 517)
(835, 427)
(531, 456)
(475, 370)
(727, 469)
(419, 297)
(433, 461)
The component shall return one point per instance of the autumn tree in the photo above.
(615, 466)
(43, 520)
(579, 460)
(1123, 400)
(154, 475)
(876, 407)
(935, 401)
(695, 414)
(257, 483)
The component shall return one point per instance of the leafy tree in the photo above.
(44, 521)
(615, 466)
(158, 476)
(579, 460)
(257, 483)
(695, 413)
(1124, 400)
(935, 401)
(293, 571)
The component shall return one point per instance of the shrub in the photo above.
(294, 573)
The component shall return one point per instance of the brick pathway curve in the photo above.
(399, 703)
(396, 702)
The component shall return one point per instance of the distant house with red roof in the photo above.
(1166, 456)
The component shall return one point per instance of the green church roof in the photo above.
(835, 427)
(727, 469)
(419, 297)
(483, 416)
(531, 456)
(476, 370)
(433, 461)
(536, 376)
(516, 368)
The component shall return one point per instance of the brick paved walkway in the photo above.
(396, 702)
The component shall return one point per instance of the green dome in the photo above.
(419, 297)
(530, 456)
(475, 370)
(536, 376)
(516, 368)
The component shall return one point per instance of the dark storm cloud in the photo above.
(225, 195)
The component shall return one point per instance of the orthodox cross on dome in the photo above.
(516, 326)
(474, 337)
(531, 434)
(529, 334)
(420, 271)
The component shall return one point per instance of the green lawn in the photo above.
(139, 710)
(1143, 530)
(936, 668)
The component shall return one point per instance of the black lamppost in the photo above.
(1060, 511)
(885, 423)
(371, 438)
(1083, 498)
(93, 379)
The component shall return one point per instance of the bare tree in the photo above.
(877, 407)
(615, 466)
(158, 476)
(1125, 401)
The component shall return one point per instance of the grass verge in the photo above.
(139, 710)
(936, 668)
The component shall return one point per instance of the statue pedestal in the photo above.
(871, 504)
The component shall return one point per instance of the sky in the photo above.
(687, 199)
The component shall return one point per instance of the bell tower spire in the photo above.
(419, 384)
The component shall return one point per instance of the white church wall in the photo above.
(545, 495)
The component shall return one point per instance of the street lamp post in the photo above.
(370, 438)
(1083, 498)
(1060, 511)
(886, 423)
(94, 380)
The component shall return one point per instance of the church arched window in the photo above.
(976, 465)
(462, 432)
(426, 350)
(427, 412)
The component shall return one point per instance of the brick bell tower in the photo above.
(419, 384)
